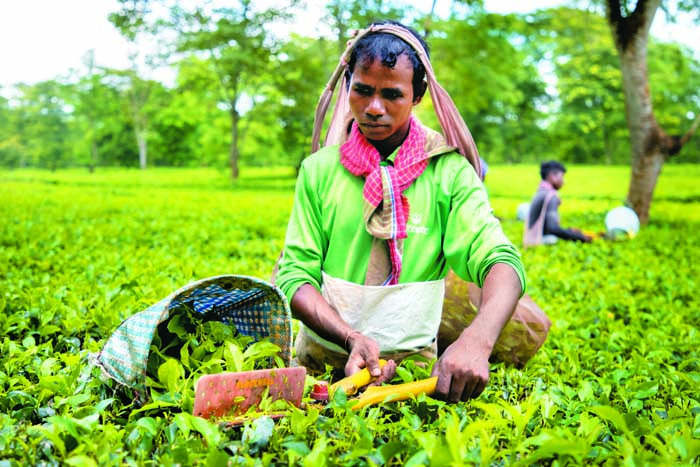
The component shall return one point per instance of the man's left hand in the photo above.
(463, 369)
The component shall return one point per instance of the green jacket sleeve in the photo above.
(305, 242)
(474, 239)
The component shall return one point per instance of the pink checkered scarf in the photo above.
(385, 208)
(545, 185)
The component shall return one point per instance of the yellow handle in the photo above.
(397, 392)
(353, 383)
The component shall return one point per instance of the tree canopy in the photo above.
(530, 86)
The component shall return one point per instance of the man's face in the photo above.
(556, 178)
(381, 100)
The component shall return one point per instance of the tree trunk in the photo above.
(94, 154)
(143, 157)
(631, 35)
(651, 145)
(607, 143)
(234, 155)
(645, 172)
(428, 22)
(646, 135)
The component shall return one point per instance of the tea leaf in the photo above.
(257, 434)
(170, 373)
(209, 431)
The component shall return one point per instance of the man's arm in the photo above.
(552, 227)
(463, 369)
(315, 312)
(299, 276)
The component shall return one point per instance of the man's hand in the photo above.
(463, 369)
(364, 353)
(388, 373)
(309, 306)
(584, 237)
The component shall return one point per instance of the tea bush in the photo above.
(615, 383)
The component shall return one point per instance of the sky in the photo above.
(45, 39)
(42, 39)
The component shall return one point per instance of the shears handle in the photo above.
(351, 384)
(396, 392)
(377, 394)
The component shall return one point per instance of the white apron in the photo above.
(403, 319)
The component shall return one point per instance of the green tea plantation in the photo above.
(616, 383)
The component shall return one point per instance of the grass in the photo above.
(615, 383)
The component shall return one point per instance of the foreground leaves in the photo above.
(615, 383)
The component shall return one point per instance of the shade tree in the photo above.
(651, 144)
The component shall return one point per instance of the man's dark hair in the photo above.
(551, 166)
(387, 48)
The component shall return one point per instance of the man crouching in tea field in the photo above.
(542, 224)
(382, 213)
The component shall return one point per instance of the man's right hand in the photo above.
(584, 238)
(364, 353)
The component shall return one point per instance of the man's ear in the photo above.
(419, 97)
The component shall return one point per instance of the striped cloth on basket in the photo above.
(256, 308)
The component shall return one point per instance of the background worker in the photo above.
(542, 224)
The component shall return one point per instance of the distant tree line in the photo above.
(530, 87)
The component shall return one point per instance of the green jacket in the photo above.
(451, 225)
